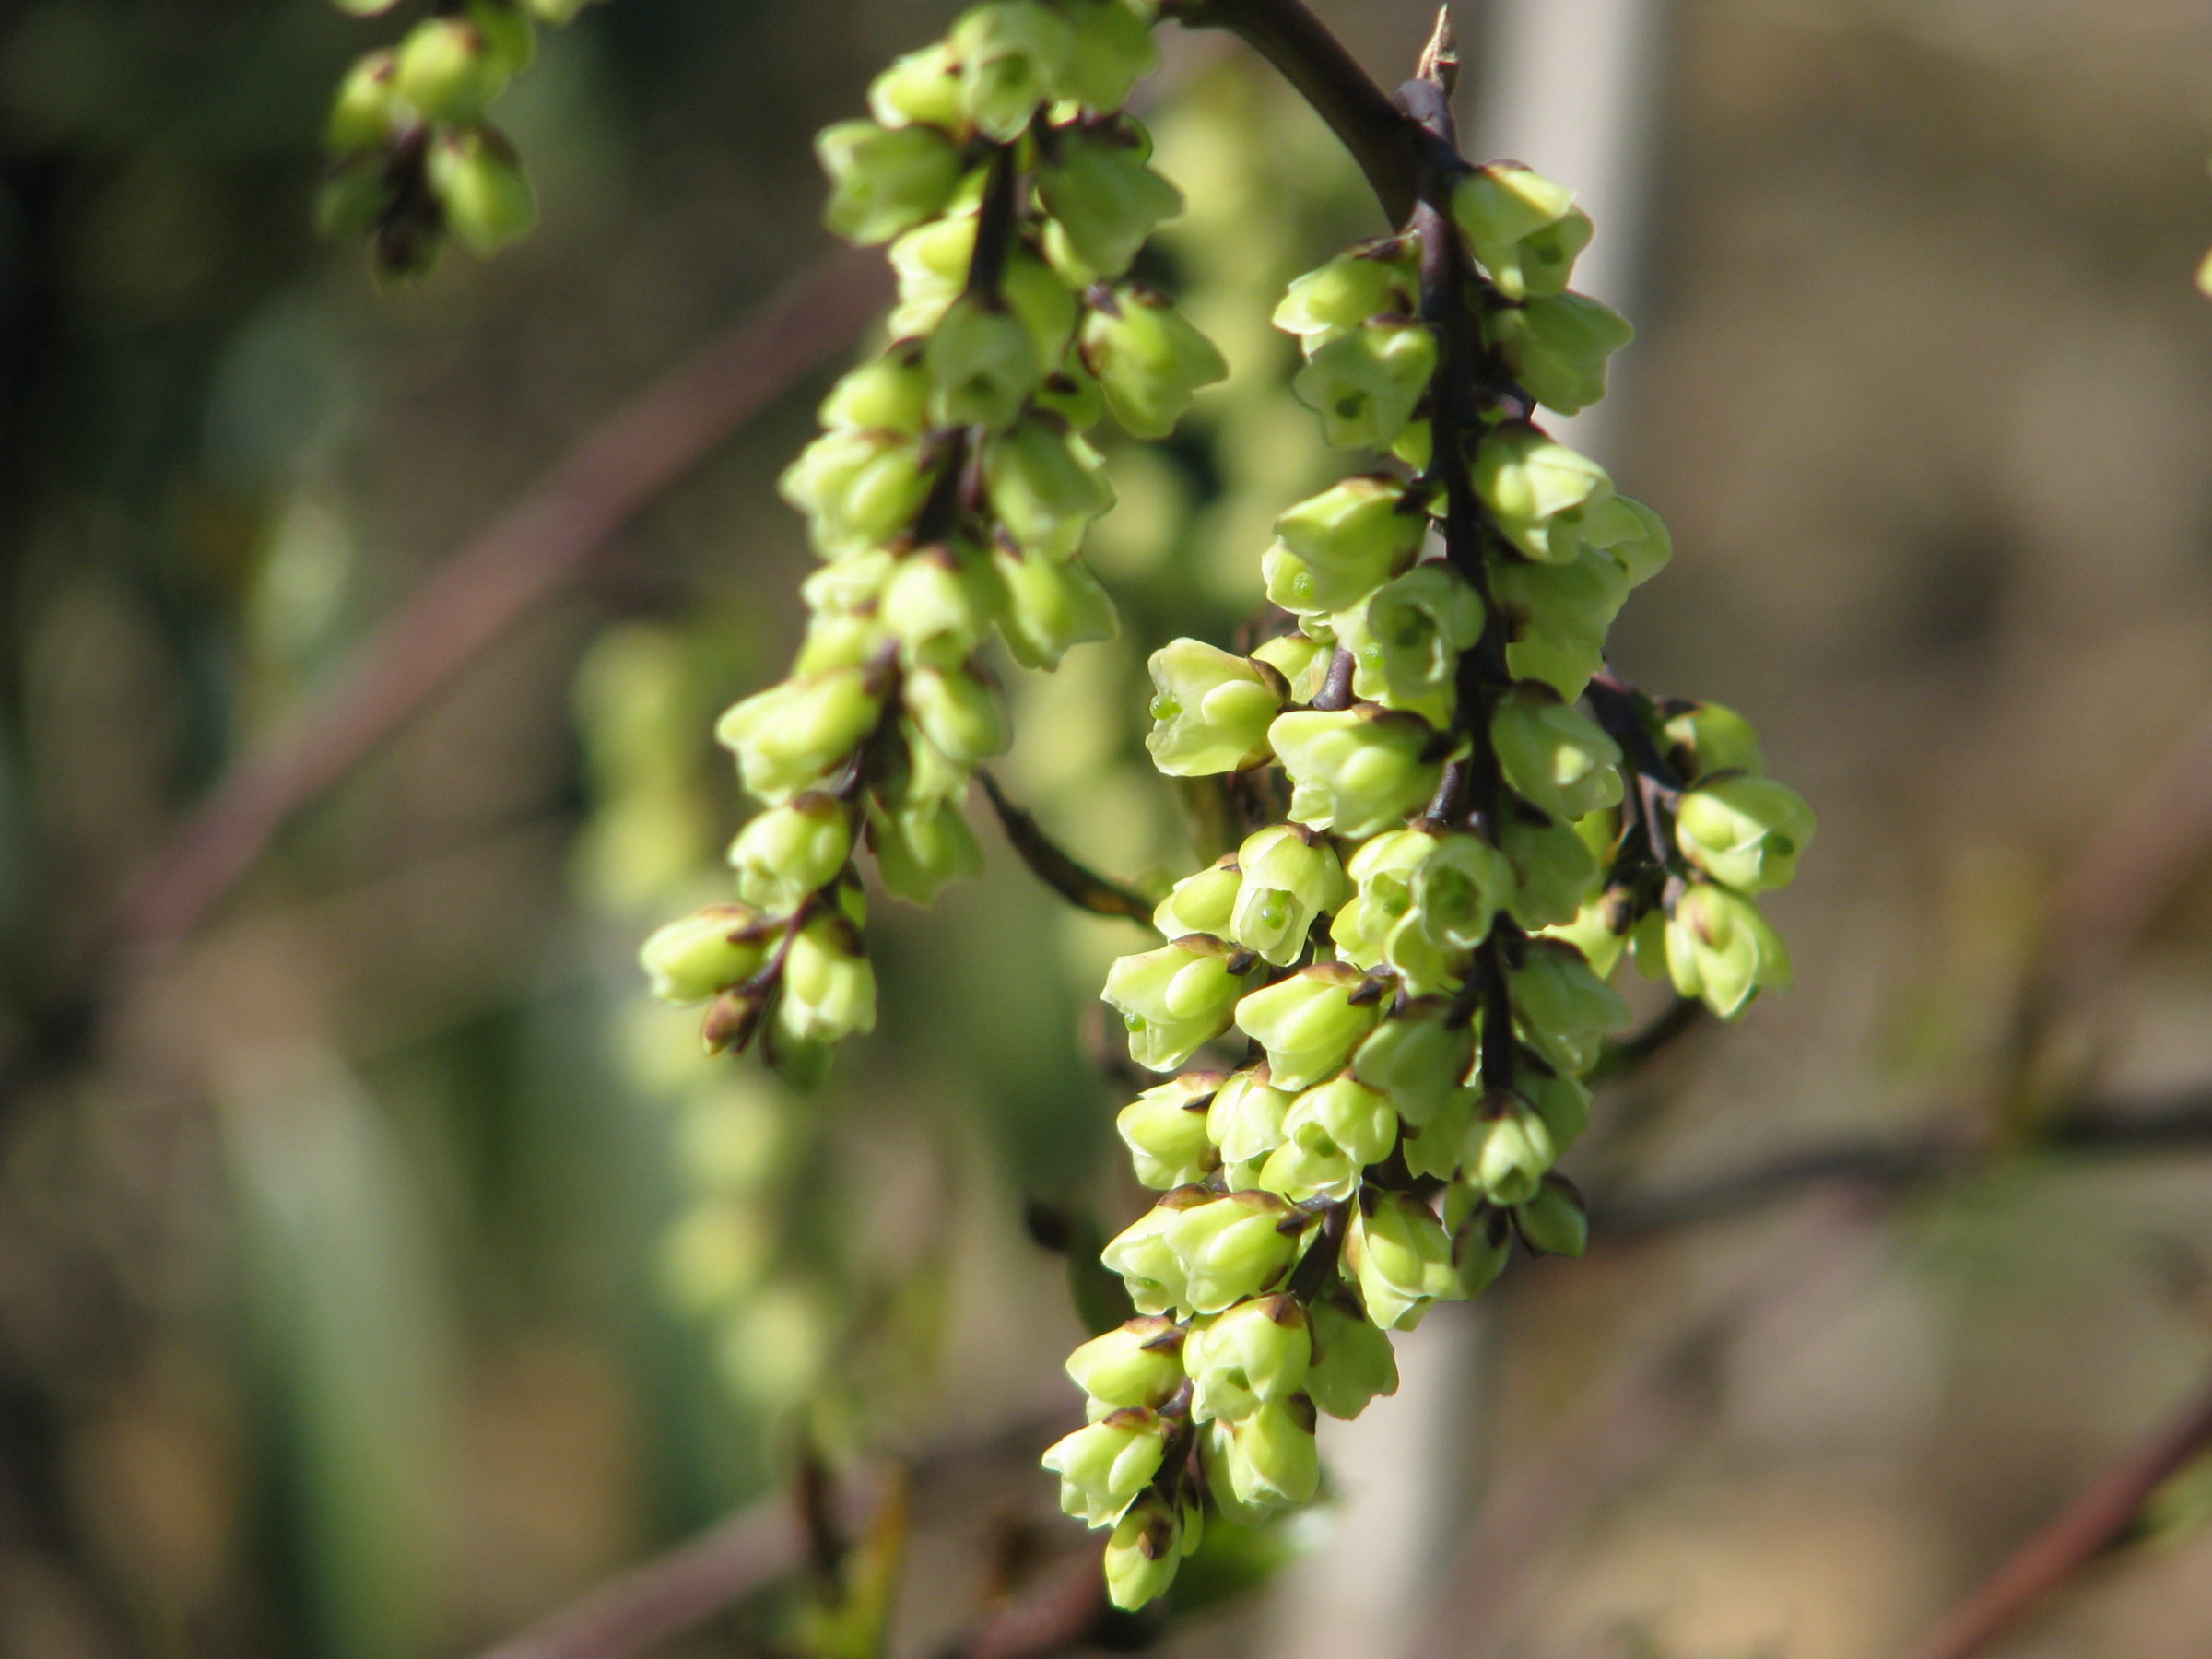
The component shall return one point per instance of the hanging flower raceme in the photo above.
(1417, 962)
(948, 495)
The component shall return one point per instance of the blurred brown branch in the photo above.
(2085, 1530)
(1051, 863)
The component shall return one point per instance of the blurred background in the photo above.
(380, 1270)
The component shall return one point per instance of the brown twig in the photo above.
(1051, 863)
(526, 555)
(2093, 1524)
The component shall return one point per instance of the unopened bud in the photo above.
(1201, 904)
(1335, 548)
(885, 180)
(480, 182)
(1365, 383)
(1137, 1364)
(1105, 1464)
(1175, 999)
(1743, 831)
(1149, 359)
(1401, 1257)
(690, 961)
(1255, 1353)
(1719, 949)
(1290, 876)
(1014, 55)
(1308, 1023)
(791, 851)
(1164, 1129)
(983, 361)
(1538, 490)
(1554, 755)
(1352, 1361)
(1355, 771)
(1554, 1221)
(1104, 200)
(1210, 710)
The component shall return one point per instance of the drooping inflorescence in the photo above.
(948, 496)
(1480, 823)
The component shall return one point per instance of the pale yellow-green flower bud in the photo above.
(921, 844)
(1302, 662)
(1014, 55)
(1401, 1257)
(1210, 710)
(1231, 1248)
(1148, 1544)
(1113, 50)
(1138, 1365)
(1164, 1129)
(1417, 1059)
(1339, 546)
(479, 183)
(885, 180)
(1743, 831)
(1202, 903)
(1314, 1168)
(1344, 1116)
(933, 262)
(1149, 359)
(1370, 281)
(1553, 754)
(1105, 1464)
(857, 489)
(890, 393)
(1506, 1149)
(1044, 485)
(367, 110)
(1710, 737)
(1255, 1353)
(1557, 614)
(1565, 1008)
(829, 983)
(1539, 491)
(1525, 229)
(1175, 999)
(448, 69)
(1352, 1361)
(1290, 875)
(1553, 871)
(1103, 199)
(690, 961)
(959, 714)
(1557, 347)
(1631, 533)
(1719, 948)
(790, 736)
(1245, 1120)
(1365, 383)
(1151, 1271)
(1459, 888)
(938, 605)
(1273, 1462)
(923, 86)
(984, 363)
(791, 851)
(1355, 770)
(1406, 641)
(1309, 1023)
(1051, 606)
(1554, 1221)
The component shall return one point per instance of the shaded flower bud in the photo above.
(1051, 606)
(1552, 871)
(479, 183)
(1255, 1353)
(1719, 949)
(1013, 56)
(1560, 1099)
(1743, 831)
(1138, 1364)
(938, 606)
(1245, 1120)
(1339, 546)
(829, 983)
(922, 843)
(1045, 486)
(1105, 1464)
(983, 361)
(1355, 771)
(1564, 1008)
(1557, 347)
(1231, 1248)
(690, 961)
(1352, 1361)
(1631, 533)
(1406, 642)
(366, 111)
(923, 86)
(794, 734)
(933, 262)
(1290, 875)
(885, 180)
(1175, 1000)
(1210, 710)
(857, 489)
(1114, 50)
(1308, 1023)
(1103, 199)
(1506, 1149)
(1554, 1220)
(1481, 1248)
(1538, 490)
(1459, 888)
(1401, 1257)
(447, 69)
(1201, 904)
(1344, 1116)
(1365, 383)
(1417, 1059)
(1553, 754)
(1151, 1271)
(1150, 361)
(1370, 281)
(1148, 1544)
(790, 851)
(887, 395)
(1709, 737)
(957, 713)
(1164, 1129)
(1557, 614)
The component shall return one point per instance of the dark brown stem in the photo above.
(1078, 884)
(2093, 1524)
(1622, 1059)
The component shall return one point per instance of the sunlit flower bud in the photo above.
(1044, 484)
(1565, 1009)
(829, 983)
(1553, 754)
(1525, 229)
(1554, 1221)
(788, 852)
(959, 716)
(1339, 546)
(1302, 662)
(1352, 1361)
(1506, 1149)
(691, 959)
(1417, 1059)
(1274, 1462)
(1365, 383)
(1557, 614)
(1743, 831)
(922, 845)
(1290, 875)
(885, 180)
(1113, 50)
(1406, 641)
(1103, 199)
(890, 393)
(1557, 347)
(1050, 606)
(1151, 1271)
(1309, 1023)
(857, 489)
(1201, 904)
(1481, 1246)
(1344, 1116)
(1105, 1464)
(923, 86)
(938, 606)
(1355, 770)
(1150, 361)
(983, 361)
(447, 69)
(1304, 1170)
(1234, 1247)
(1136, 1365)
(1402, 1258)
(365, 112)
(1013, 55)
(1148, 1544)
(1210, 710)
(1255, 1353)
(1710, 737)
(1165, 1130)
(1459, 888)
(1599, 930)
(1539, 491)
(933, 262)
(793, 735)
(1175, 999)
(1552, 871)
(479, 183)
(1721, 949)
(1246, 1117)
(1370, 281)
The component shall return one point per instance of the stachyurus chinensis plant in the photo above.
(1379, 1017)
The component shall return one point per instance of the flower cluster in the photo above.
(1482, 822)
(948, 495)
(414, 158)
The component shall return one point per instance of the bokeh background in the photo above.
(380, 1271)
